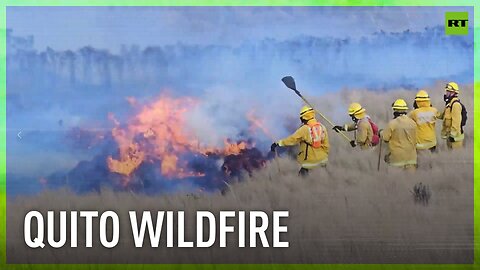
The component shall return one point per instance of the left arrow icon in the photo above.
(19, 135)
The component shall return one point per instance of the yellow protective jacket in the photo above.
(425, 117)
(308, 156)
(401, 136)
(452, 119)
(363, 132)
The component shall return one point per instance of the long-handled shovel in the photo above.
(290, 83)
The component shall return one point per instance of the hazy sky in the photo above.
(110, 27)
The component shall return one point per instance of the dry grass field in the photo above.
(346, 213)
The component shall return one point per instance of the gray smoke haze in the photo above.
(347, 212)
(50, 92)
(71, 28)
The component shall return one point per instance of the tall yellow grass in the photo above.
(346, 213)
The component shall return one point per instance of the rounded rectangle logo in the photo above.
(456, 23)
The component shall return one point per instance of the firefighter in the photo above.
(424, 116)
(452, 115)
(312, 137)
(401, 136)
(362, 126)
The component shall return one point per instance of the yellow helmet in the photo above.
(355, 109)
(307, 113)
(400, 105)
(422, 95)
(452, 87)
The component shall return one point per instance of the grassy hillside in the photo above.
(346, 213)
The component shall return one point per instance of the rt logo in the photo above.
(456, 23)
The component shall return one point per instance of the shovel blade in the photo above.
(289, 82)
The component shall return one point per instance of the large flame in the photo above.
(158, 132)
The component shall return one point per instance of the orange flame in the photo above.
(130, 158)
(234, 148)
(158, 132)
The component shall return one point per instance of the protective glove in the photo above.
(451, 139)
(380, 135)
(273, 146)
(338, 128)
(353, 143)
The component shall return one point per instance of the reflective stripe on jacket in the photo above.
(308, 156)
